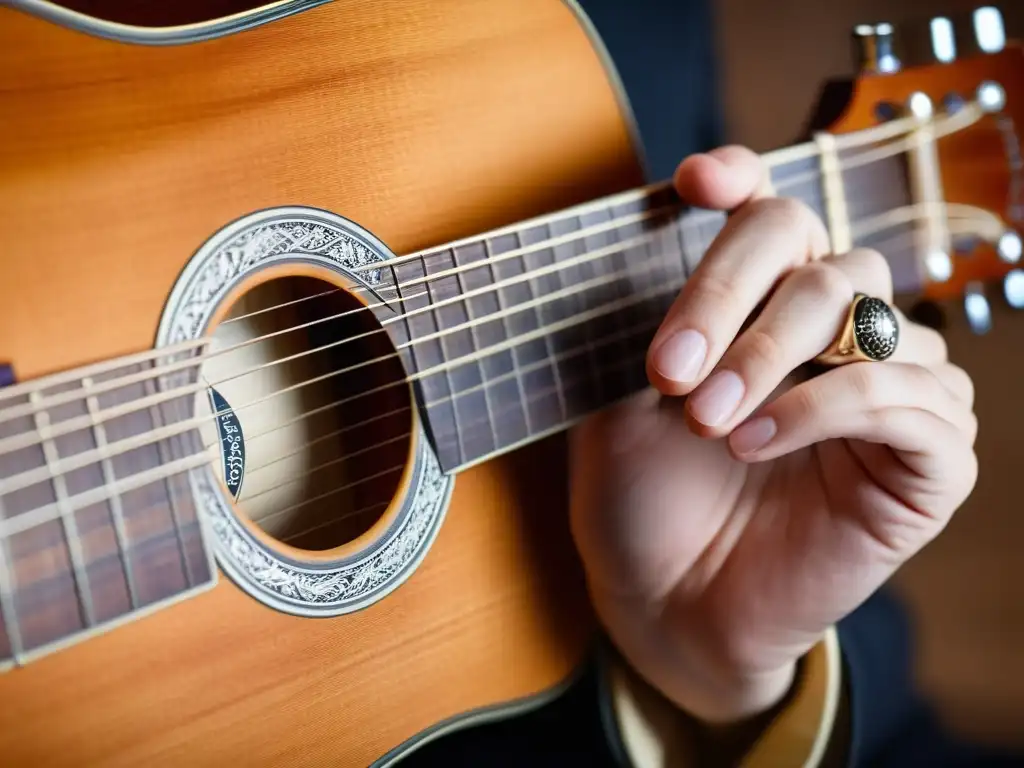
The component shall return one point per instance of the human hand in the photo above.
(723, 534)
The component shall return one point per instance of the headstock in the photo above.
(971, 203)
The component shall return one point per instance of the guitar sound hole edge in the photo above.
(314, 422)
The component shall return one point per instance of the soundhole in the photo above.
(311, 418)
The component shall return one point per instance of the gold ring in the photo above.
(870, 334)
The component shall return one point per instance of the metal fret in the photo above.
(9, 611)
(584, 272)
(516, 369)
(459, 432)
(158, 421)
(99, 434)
(470, 315)
(67, 514)
(531, 285)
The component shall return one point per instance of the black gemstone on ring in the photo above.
(875, 328)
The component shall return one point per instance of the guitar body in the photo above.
(423, 122)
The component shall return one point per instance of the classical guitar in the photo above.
(295, 306)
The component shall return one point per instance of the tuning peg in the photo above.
(1013, 288)
(977, 308)
(943, 39)
(989, 32)
(1009, 247)
(874, 52)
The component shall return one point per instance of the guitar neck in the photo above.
(520, 333)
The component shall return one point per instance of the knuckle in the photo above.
(716, 290)
(876, 267)
(785, 212)
(963, 383)
(761, 354)
(805, 403)
(827, 284)
(867, 383)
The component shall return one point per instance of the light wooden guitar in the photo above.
(298, 303)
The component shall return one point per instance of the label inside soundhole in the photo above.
(311, 412)
(232, 443)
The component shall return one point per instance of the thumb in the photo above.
(723, 178)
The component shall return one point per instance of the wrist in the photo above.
(689, 671)
(723, 701)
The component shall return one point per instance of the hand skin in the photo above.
(722, 539)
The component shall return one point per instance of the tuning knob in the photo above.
(874, 48)
(989, 32)
(1013, 288)
(943, 39)
(977, 309)
(1009, 247)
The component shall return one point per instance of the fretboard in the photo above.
(89, 535)
(518, 334)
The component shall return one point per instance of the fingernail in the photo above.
(681, 356)
(753, 435)
(718, 399)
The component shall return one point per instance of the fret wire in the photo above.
(587, 346)
(677, 232)
(504, 326)
(777, 161)
(576, 302)
(588, 331)
(617, 317)
(559, 393)
(459, 442)
(67, 517)
(555, 429)
(467, 306)
(99, 434)
(172, 501)
(7, 605)
(421, 374)
(43, 514)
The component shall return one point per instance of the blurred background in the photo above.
(967, 589)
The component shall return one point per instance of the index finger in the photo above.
(723, 179)
(764, 239)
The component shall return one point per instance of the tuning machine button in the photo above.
(1009, 247)
(943, 39)
(874, 52)
(1013, 288)
(977, 308)
(991, 96)
(989, 32)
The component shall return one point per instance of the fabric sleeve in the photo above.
(655, 734)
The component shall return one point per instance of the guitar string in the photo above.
(486, 350)
(585, 348)
(187, 464)
(73, 513)
(946, 125)
(534, 396)
(40, 404)
(482, 386)
(52, 511)
(369, 508)
(636, 357)
(76, 461)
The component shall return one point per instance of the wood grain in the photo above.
(422, 121)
